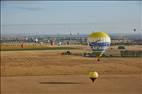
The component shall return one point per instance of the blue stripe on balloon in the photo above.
(102, 44)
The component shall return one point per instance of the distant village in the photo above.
(69, 39)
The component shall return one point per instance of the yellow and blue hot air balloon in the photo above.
(99, 42)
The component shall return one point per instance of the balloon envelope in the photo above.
(93, 74)
(134, 29)
(99, 42)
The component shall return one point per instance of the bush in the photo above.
(66, 53)
(121, 47)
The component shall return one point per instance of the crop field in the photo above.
(32, 46)
(19, 63)
(50, 72)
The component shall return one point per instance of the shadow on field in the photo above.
(60, 83)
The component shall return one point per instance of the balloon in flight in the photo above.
(99, 42)
(134, 29)
(93, 76)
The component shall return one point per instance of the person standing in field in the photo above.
(22, 45)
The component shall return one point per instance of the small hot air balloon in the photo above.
(134, 29)
(99, 42)
(93, 76)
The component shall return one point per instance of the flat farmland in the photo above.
(24, 63)
(50, 72)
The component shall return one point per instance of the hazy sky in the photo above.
(63, 17)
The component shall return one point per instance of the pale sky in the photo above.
(63, 17)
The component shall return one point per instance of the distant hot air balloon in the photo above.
(134, 29)
(99, 42)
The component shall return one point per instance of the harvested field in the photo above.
(50, 72)
(24, 63)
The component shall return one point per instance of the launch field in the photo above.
(50, 72)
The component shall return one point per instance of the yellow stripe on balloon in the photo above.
(98, 34)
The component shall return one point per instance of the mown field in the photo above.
(52, 62)
(50, 72)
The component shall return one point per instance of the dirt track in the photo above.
(72, 84)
